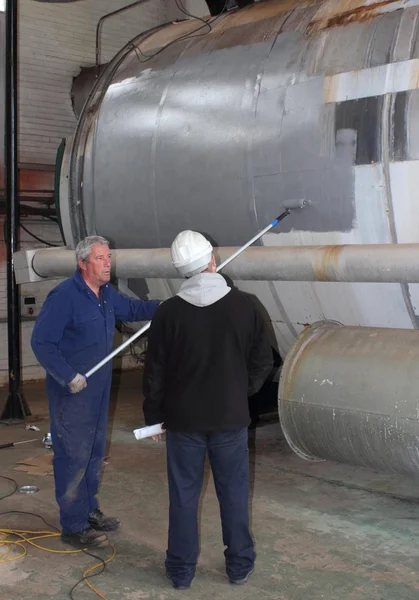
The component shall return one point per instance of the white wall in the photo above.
(55, 40)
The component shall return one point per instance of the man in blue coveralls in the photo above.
(73, 332)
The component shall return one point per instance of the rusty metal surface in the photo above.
(345, 13)
(350, 394)
(322, 15)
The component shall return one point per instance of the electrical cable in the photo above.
(23, 540)
(38, 239)
(207, 24)
(10, 493)
(183, 10)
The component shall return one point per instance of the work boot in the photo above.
(178, 586)
(243, 580)
(89, 538)
(101, 523)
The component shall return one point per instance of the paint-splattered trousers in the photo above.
(78, 432)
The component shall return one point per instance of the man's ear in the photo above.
(82, 265)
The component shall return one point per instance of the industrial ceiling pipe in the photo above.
(379, 263)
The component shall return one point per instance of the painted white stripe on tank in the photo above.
(376, 81)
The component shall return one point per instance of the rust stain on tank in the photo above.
(357, 14)
(326, 261)
(261, 22)
(270, 17)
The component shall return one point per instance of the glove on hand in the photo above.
(77, 384)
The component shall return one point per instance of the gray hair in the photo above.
(84, 247)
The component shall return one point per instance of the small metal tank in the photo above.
(351, 394)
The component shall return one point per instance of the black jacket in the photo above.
(203, 362)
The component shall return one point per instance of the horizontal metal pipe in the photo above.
(384, 263)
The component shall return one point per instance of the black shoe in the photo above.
(101, 523)
(242, 580)
(89, 538)
(177, 585)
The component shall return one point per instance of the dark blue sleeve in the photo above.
(129, 309)
(49, 328)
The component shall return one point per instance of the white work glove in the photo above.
(77, 384)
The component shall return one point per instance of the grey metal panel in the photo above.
(206, 121)
(406, 35)
(330, 192)
(330, 57)
(412, 125)
(350, 394)
(305, 95)
(264, 140)
(384, 38)
(398, 147)
(364, 117)
(123, 167)
(302, 139)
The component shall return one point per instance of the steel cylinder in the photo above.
(351, 394)
(217, 130)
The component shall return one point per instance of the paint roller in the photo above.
(288, 205)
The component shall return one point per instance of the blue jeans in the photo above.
(229, 459)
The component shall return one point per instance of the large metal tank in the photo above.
(284, 99)
(352, 394)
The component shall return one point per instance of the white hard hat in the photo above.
(191, 252)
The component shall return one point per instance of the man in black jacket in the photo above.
(208, 351)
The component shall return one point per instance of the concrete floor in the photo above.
(323, 531)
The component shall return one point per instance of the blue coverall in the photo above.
(74, 331)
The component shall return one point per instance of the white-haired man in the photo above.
(74, 331)
(208, 351)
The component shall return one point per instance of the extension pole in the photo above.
(140, 332)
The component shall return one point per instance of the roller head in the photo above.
(292, 204)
